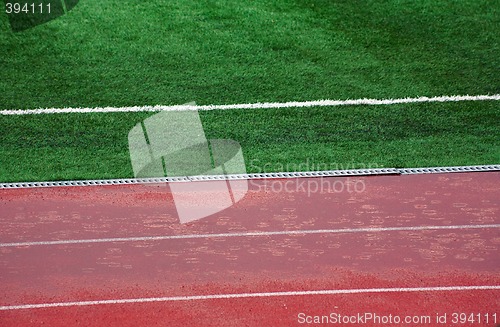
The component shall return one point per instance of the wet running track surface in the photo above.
(291, 251)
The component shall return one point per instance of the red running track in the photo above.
(411, 246)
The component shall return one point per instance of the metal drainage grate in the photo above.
(328, 173)
(456, 169)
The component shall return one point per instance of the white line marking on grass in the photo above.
(251, 234)
(267, 105)
(252, 295)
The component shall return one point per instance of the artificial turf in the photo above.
(94, 146)
(127, 53)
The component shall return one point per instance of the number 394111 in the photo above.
(27, 8)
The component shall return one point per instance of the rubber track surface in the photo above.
(113, 270)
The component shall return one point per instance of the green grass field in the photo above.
(130, 53)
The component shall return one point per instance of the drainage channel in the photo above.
(328, 173)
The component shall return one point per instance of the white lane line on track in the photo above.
(267, 105)
(252, 295)
(251, 234)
